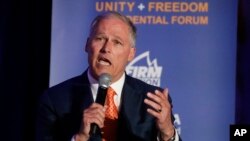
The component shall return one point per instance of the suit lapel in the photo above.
(131, 106)
(83, 96)
(133, 116)
(130, 100)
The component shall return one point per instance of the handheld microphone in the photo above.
(104, 82)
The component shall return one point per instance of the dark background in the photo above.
(25, 28)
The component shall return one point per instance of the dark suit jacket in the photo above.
(60, 111)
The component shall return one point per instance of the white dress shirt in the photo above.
(116, 86)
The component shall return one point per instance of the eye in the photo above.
(98, 38)
(117, 42)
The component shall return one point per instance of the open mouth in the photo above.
(104, 61)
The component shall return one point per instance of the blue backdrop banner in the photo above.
(188, 46)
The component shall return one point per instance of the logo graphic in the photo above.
(149, 73)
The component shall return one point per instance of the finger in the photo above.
(96, 105)
(96, 114)
(165, 93)
(95, 109)
(152, 104)
(94, 119)
(87, 124)
(153, 113)
(160, 94)
(154, 97)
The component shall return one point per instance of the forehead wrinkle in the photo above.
(102, 28)
(96, 27)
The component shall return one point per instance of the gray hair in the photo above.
(123, 18)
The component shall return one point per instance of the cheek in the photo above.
(93, 50)
(96, 45)
(121, 61)
(92, 56)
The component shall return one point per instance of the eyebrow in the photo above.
(118, 37)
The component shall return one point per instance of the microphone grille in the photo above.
(105, 80)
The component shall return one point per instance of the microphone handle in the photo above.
(101, 96)
(94, 129)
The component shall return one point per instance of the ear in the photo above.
(131, 54)
(87, 45)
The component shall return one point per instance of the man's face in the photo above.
(109, 48)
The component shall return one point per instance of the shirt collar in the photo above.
(116, 86)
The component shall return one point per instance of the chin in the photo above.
(99, 72)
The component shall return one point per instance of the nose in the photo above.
(107, 46)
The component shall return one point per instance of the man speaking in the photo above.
(132, 111)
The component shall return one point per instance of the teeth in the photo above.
(104, 62)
